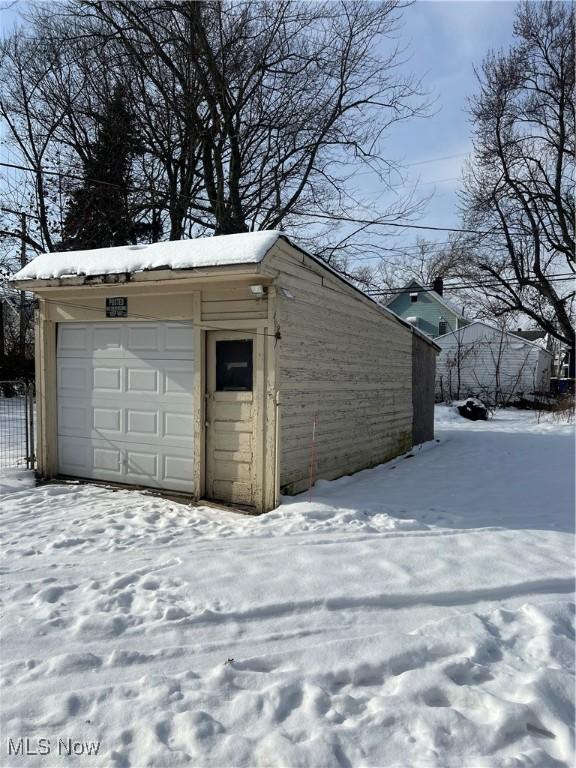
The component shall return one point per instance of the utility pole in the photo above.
(22, 327)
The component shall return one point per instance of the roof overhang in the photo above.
(168, 276)
(160, 275)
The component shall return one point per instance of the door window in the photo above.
(234, 365)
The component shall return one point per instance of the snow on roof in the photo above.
(215, 251)
(531, 335)
(223, 250)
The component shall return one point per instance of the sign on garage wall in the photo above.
(117, 307)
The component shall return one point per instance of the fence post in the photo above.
(32, 441)
(26, 423)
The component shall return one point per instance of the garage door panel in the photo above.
(169, 468)
(177, 381)
(107, 339)
(73, 418)
(177, 469)
(125, 408)
(74, 377)
(106, 419)
(161, 341)
(176, 338)
(141, 465)
(73, 456)
(142, 423)
(141, 340)
(142, 381)
(126, 425)
(106, 379)
(107, 459)
(73, 340)
(177, 425)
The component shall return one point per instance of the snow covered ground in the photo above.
(416, 614)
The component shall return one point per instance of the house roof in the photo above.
(243, 248)
(529, 335)
(246, 248)
(440, 299)
(492, 328)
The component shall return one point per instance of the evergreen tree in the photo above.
(99, 213)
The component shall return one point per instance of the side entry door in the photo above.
(230, 417)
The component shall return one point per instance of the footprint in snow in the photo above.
(71, 542)
(54, 593)
(173, 613)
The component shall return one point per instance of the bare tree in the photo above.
(454, 363)
(425, 262)
(253, 115)
(519, 185)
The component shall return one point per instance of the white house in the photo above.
(485, 361)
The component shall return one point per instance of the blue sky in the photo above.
(446, 40)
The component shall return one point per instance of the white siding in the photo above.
(345, 361)
(484, 361)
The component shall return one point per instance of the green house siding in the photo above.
(428, 310)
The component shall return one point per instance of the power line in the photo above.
(369, 222)
(371, 294)
(564, 277)
(436, 159)
(400, 225)
(75, 176)
(400, 250)
(207, 326)
(462, 285)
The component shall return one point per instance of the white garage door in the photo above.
(125, 405)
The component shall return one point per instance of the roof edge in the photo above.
(142, 276)
(495, 328)
(381, 307)
(435, 295)
(169, 274)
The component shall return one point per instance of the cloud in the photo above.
(469, 27)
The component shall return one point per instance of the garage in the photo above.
(125, 405)
(232, 368)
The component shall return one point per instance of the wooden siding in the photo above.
(423, 374)
(232, 303)
(489, 360)
(346, 362)
(209, 304)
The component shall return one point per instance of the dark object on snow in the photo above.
(562, 386)
(473, 409)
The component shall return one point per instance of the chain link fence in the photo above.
(17, 411)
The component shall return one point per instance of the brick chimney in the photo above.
(438, 286)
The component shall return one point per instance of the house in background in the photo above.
(428, 310)
(560, 352)
(482, 360)
(203, 366)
